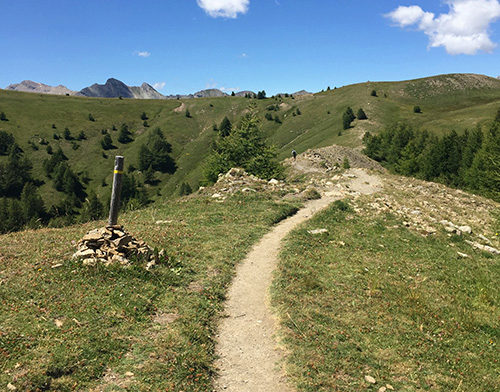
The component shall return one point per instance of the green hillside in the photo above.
(447, 102)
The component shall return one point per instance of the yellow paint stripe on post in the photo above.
(118, 171)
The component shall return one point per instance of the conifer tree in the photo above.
(361, 114)
(125, 135)
(225, 127)
(6, 141)
(31, 203)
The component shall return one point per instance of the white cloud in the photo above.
(142, 54)
(463, 30)
(243, 56)
(213, 84)
(224, 8)
(159, 85)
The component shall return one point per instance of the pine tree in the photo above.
(67, 134)
(124, 135)
(484, 174)
(225, 127)
(373, 93)
(144, 116)
(82, 136)
(92, 208)
(347, 118)
(188, 114)
(15, 173)
(361, 114)
(107, 142)
(32, 204)
(6, 142)
(15, 216)
(3, 117)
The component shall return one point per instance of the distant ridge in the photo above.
(114, 88)
(28, 86)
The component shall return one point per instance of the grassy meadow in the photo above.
(68, 327)
(375, 298)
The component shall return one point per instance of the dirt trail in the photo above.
(249, 359)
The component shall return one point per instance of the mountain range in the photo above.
(114, 88)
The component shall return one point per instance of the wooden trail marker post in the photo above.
(116, 192)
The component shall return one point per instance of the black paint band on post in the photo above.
(116, 192)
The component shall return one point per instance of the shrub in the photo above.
(373, 93)
(91, 117)
(346, 164)
(416, 109)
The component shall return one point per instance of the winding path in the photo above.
(249, 357)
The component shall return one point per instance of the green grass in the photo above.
(31, 116)
(158, 324)
(374, 298)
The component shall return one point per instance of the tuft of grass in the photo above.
(374, 298)
(75, 327)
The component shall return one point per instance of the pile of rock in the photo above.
(238, 180)
(113, 245)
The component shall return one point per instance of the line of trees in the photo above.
(470, 161)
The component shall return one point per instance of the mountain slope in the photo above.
(447, 101)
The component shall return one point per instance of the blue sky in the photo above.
(278, 45)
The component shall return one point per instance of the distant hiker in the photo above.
(294, 155)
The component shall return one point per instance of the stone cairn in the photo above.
(113, 245)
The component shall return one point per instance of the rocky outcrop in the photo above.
(28, 86)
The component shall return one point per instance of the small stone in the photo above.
(129, 374)
(122, 241)
(463, 255)
(482, 237)
(58, 323)
(84, 253)
(273, 181)
(11, 387)
(119, 259)
(163, 222)
(389, 386)
(317, 231)
(382, 389)
(370, 379)
(216, 196)
(57, 265)
(465, 229)
(91, 261)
